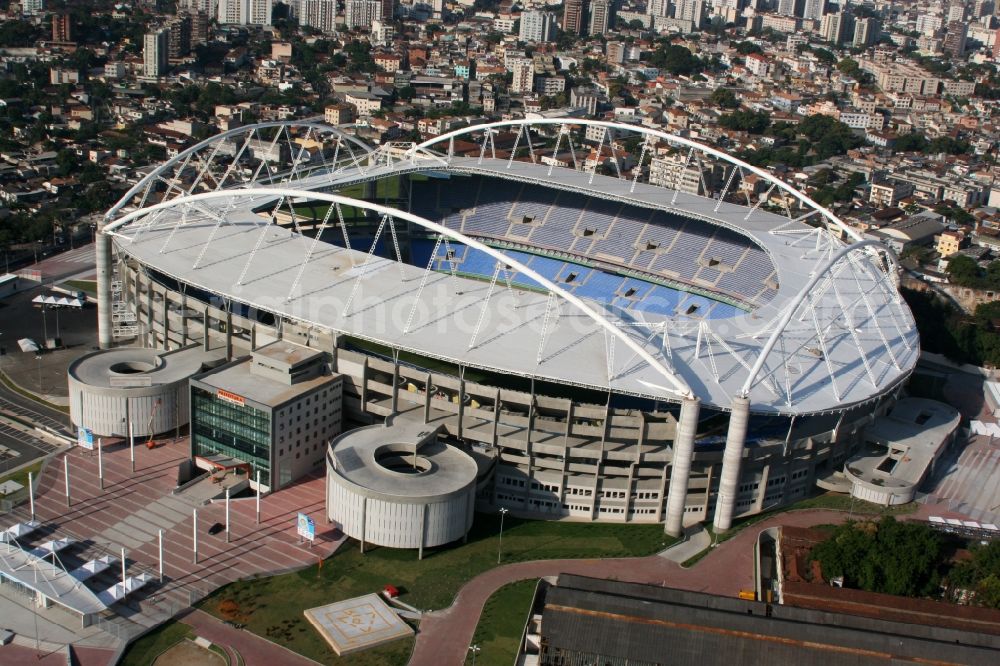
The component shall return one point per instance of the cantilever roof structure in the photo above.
(835, 334)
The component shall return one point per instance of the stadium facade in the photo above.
(617, 349)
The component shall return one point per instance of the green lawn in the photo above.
(147, 648)
(827, 500)
(88, 286)
(21, 475)
(498, 633)
(272, 607)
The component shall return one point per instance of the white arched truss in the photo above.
(525, 124)
(677, 386)
(800, 301)
(203, 164)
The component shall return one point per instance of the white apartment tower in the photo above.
(537, 27)
(245, 12)
(154, 52)
(319, 14)
(600, 17)
(362, 13)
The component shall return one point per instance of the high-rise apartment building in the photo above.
(154, 52)
(866, 32)
(658, 8)
(813, 10)
(573, 16)
(245, 12)
(955, 36)
(32, 7)
(179, 38)
(537, 27)
(523, 70)
(388, 10)
(835, 28)
(62, 28)
(690, 10)
(791, 7)
(601, 18)
(362, 13)
(318, 14)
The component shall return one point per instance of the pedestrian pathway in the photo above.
(445, 635)
(256, 651)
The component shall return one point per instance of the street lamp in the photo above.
(503, 512)
(475, 649)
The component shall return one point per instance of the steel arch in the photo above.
(184, 154)
(670, 138)
(679, 386)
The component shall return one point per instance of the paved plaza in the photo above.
(132, 509)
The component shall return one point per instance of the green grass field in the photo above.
(499, 630)
(272, 607)
(147, 648)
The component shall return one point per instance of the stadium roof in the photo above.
(846, 339)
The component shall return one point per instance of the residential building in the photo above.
(835, 28)
(866, 32)
(949, 242)
(573, 16)
(364, 103)
(155, 47)
(690, 10)
(601, 17)
(338, 114)
(524, 76)
(362, 13)
(955, 37)
(537, 27)
(62, 29)
(889, 193)
(319, 14)
(813, 10)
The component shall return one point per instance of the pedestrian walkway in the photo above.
(256, 651)
(445, 635)
(696, 539)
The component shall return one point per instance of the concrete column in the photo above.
(461, 403)
(103, 251)
(732, 458)
(184, 318)
(206, 345)
(364, 512)
(680, 467)
(253, 337)
(496, 419)
(762, 490)
(166, 320)
(229, 333)
(423, 531)
(427, 397)
(150, 321)
(395, 383)
(364, 385)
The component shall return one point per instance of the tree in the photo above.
(676, 59)
(746, 48)
(754, 122)
(849, 67)
(636, 24)
(825, 56)
(891, 557)
(725, 98)
(963, 270)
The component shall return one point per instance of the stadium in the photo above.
(626, 324)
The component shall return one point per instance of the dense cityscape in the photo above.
(499, 331)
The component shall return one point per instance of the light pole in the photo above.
(503, 512)
(474, 649)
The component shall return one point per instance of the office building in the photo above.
(273, 412)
